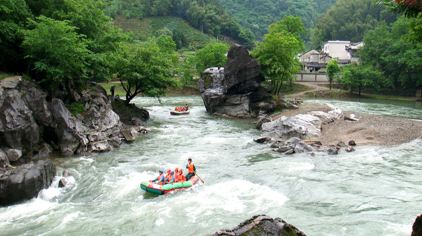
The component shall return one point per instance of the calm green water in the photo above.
(374, 191)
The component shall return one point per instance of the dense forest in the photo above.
(350, 20)
(206, 15)
(257, 15)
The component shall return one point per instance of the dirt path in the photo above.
(314, 87)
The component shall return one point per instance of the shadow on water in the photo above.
(147, 195)
(261, 157)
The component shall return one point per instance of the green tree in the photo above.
(332, 71)
(13, 18)
(350, 20)
(145, 69)
(212, 55)
(57, 54)
(277, 54)
(358, 77)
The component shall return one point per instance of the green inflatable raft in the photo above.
(151, 187)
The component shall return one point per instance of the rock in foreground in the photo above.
(236, 90)
(25, 181)
(417, 226)
(262, 225)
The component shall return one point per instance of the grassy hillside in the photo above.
(184, 35)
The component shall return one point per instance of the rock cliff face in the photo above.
(262, 225)
(32, 127)
(236, 90)
(25, 181)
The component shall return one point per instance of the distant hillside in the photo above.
(257, 15)
(183, 34)
(350, 20)
(208, 16)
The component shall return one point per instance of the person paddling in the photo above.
(160, 179)
(191, 169)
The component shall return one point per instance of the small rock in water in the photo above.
(350, 149)
(262, 140)
(352, 143)
(341, 144)
(333, 150)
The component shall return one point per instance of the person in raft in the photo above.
(178, 175)
(160, 179)
(191, 169)
(182, 108)
(169, 177)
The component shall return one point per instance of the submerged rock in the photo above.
(262, 225)
(25, 181)
(236, 90)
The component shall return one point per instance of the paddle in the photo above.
(199, 178)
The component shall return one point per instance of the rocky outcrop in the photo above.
(31, 128)
(236, 90)
(417, 226)
(262, 225)
(129, 114)
(25, 181)
(299, 133)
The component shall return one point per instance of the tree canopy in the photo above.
(147, 68)
(257, 15)
(277, 52)
(212, 55)
(350, 20)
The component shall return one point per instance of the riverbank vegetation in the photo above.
(151, 46)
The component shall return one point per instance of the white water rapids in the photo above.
(373, 191)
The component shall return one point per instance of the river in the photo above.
(374, 191)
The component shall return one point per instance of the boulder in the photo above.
(25, 181)
(262, 120)
(18, 128)
(417, 226)
(262, 225)
(302, 126)
(129, 114)
(236, 90)
(69, 129)
(130, 134)
(262, 140)
(13, 154)
(4, 161)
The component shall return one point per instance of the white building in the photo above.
(337, 50)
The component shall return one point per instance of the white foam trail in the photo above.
(235, 196)
(28, 209)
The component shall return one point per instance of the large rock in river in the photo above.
(262, 225)
(417, 226)
(236, 90)
(25, 181)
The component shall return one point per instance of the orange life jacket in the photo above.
(168, 178)
(191, 168)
